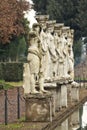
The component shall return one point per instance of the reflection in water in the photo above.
(71, 123)
(84, 115)
(76, 121)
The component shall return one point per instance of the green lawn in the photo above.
(7, 85)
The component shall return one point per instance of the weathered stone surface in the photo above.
(64, 95)
(38, 107)
(75, 93)
(57, 97)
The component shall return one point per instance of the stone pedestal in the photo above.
(69, 98)
(58, 99)
(64, 95)
(38, 107)
(75, 93)
(52, 89)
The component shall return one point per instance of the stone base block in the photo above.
(75, 93)
(69, 98)
(58, 98)
(38, 107)
(63, 95)
(55, 91)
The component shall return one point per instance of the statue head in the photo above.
(33, 38)
(65, 31)
(36, 27)
(72, 33)
(50, 25)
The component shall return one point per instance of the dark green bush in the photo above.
(11, 71)
(1, 71)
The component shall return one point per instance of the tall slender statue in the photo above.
(70, 54)
(65, 52)
(34, 60)
(37, 29)
(52, 50)
(44, 43)
(59, 49)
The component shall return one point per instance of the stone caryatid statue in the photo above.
(51, 74)
(43, 37)
(34, 60)
(59, 49)
(71, 57)
(65, 52)
(70, 53)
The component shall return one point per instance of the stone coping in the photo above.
(38, 96)
(57, 81)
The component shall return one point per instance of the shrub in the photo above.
(1, 71)
(11, 71)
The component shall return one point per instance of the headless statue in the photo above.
(37, 30)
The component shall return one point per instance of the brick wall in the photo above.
(12, 105)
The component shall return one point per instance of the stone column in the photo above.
(26, 78)
(69, 97)
(38, 107)
(75, 92)
(64, 95)
(58, 99)
(53, 89)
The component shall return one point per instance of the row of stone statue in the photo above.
(50, 54)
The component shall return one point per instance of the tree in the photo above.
(11, 19)
(82, 17)
(40, 6)
(72, 13)
(77, 50)
(54, 10)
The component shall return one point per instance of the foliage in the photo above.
(12, 71)
(53, 9)
(14, 51)
(82, 16)
(40, 6)
(71, 12)
(11, 17)
(77, 50)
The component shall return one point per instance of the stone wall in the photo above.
(12, 105)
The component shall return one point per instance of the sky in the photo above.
(30, 14)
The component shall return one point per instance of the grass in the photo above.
(14, 126)
(7, 85)
(15, 84)
(22, 126)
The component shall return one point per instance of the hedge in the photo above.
(1, 72)
(11, 71)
